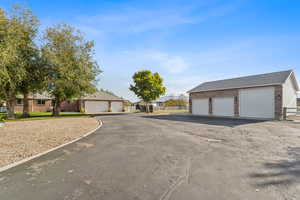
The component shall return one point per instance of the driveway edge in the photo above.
(50, 150)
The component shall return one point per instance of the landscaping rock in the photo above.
(21, 139)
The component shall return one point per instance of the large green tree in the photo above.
(35, 67)
(36, 77)
(148, 86)
(17, 30)
(72, 69)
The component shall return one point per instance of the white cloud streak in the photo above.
(132, 21)
(170, 63)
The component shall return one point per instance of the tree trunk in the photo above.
(25, 105)
(10, 103)
(56, 107)
(147, 108)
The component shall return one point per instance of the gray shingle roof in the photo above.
(275, 78)
(100, 95)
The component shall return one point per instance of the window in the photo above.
(40, 102)
(19, 101)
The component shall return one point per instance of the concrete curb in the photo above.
(50, 150)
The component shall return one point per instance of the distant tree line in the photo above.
(59, 61)
(176, 102)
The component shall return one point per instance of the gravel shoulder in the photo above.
(22, 139)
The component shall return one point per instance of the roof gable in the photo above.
(275, 78)
(100, 95)
(294, 81)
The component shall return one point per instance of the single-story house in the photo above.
(37, 103)
(260, 96)
(98, 102)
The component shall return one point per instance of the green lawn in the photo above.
(44, 115)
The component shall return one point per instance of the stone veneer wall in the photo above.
(278, 102)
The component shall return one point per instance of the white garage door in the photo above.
(200, 106)
(257, 102)
(96, 106)
(116, 106)
(223, 106)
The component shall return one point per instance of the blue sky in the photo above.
(187, 42)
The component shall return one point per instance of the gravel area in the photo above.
(22, 139)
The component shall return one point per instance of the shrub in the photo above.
(82, 110)
(2, 118)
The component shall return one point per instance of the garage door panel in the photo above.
(223, 106)
(257, 102)
(96, 106)
(200, 106)
(116, 106)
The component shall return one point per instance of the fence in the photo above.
(291, 113)
(142, 108)
(130, 108)
(171, 108)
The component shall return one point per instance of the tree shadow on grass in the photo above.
(284, 172)
(218, 121)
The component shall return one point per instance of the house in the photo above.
(37, 103)
(260, 96)
(100, 101)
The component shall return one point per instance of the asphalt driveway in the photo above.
(162, 157)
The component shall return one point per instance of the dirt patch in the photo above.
(19, 140)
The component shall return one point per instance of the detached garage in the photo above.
(102, 102)
(260, 96)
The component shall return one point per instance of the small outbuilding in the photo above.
(102, 102)
(98, 102)
(260, 96)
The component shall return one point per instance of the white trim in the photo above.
(294, 81)
(50, 150)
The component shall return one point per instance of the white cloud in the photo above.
(172, 64)
(133, 21)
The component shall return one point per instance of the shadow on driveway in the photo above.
(284, 172)
(217, 121)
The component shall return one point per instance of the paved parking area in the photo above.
(137, 156)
